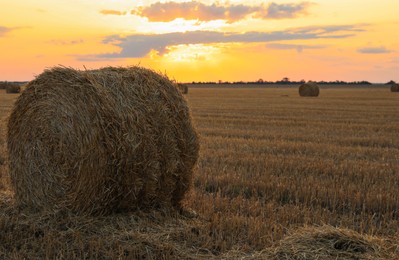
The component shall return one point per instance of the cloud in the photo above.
(112, 12)
(298, 47)
(4, 30)
(139, 45)
(331, 29)
(284, 11)
(169, 11)
(374, 50)
(89, 57)
(64, 42)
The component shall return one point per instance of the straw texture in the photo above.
(327, 242)
(101, 141)
(309, 89)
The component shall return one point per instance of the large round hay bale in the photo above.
(101, 141)
(327, 242)
(183, 88)
(309, 89)
(395, 87)
(12, 88)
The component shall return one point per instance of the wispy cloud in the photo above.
(374, 50)
(298, 47)
(139, 45)
(39, 10)
(112, 12)
(169, 11)
(66, 42)
(4, 30)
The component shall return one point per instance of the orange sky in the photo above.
(204, 41)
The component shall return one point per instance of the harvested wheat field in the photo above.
(278, 177)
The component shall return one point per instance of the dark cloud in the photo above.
(283, 11)
(169, 11)
(112, 12)
(139, 45)
(298, 47)
(374, 50)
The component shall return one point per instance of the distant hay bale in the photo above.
(101, 141)
(183, 88)
(309, 89)
(12, 88)
(395, 87)
(327, 242)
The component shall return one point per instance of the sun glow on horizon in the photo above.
(232, 40)
(191, 53)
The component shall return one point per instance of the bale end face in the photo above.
(101, 141)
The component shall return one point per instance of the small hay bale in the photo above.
(395, 87)
(101, 141)
(327, 242)
(183, 88)
(13, 88)
(309, 89)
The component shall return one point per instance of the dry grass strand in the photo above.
(327, 242)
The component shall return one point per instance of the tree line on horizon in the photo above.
(286, 81)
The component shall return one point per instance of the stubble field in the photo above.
(270, 163)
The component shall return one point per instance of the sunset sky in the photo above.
(205, 40)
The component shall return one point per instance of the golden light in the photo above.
(191, 52)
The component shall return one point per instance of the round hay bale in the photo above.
(309, 89)
(395, 87)
(12, 88)
(101, 141)
(327, 242)
(183, 88)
